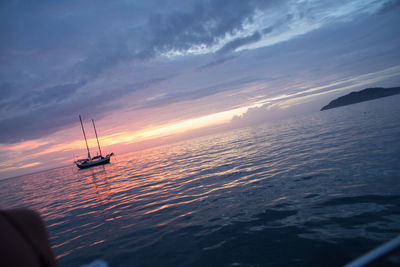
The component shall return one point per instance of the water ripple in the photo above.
(300, 187)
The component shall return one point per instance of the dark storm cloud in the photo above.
(94, 38)
(109, 34)
(204, 23)
(55, 57)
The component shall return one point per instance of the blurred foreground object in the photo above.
(24, 240)
(376, 254)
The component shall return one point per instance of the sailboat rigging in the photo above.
(89, 161)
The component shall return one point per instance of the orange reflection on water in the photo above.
(97, 242)
(279, 199)
(113, 218)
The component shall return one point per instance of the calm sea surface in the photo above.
(316, 190)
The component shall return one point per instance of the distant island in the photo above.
(361, 96)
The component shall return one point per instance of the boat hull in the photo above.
(92, 163)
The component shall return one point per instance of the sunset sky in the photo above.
(153, 72)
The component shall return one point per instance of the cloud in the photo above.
(275, 110)
(267, 30)
(251, 117)
(44, 97)
(105, 54)
(310, 100)
(6, 89)
(389, 6)
(45, 120)
(52, 109)
(58, 59)
(238, 42)
(176, 97)
(216, 62)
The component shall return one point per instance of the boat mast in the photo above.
(84, 135)
(98, 144)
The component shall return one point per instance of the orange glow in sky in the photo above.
(224, 117)
(124, 137)
(34, 153)
(27, 145)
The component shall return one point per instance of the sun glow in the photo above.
(173, 128)
(27, 145)
(58, 148)
(128, 137)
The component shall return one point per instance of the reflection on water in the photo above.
(295, 192)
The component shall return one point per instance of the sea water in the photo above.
(315, 190)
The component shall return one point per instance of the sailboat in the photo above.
(89, 161)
